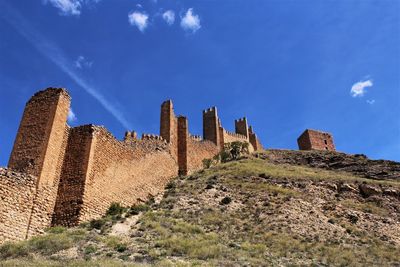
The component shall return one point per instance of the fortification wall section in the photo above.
(123, 173)
(255, 142)
(17, 192)
(73, 176)
(199, 150)
(234, 137)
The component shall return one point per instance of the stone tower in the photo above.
(315, 140)
(241, 127)
(211, 126)
(40, 143)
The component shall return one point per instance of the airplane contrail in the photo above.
(52, 52)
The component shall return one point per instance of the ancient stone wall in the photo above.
(315, 140)
(124, 173)
(17, 192)
(39, 150)
(254, 141)
(74, 174)
(199, 150)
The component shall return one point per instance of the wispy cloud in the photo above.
(139, 19)
(70, 7)
(371, 102)
(66, 7)
(81, 62)
(190, 21)
(359, 88)
(169, 17)
(71, 116)
(53, 53)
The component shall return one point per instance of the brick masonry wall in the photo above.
(39, 150)
(73, 176)
(199, 150)
(234, 137)
(316, 140)
(17, 192)
(118, 172)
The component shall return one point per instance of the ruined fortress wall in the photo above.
(73, 176)
(17, 192)
(39, 150)
(255, 142)
(315, 140)
(199, 150)
(126, 174)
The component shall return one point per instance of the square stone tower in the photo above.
(315, 140)
(40, 143)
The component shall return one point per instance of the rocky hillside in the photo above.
(276, 208)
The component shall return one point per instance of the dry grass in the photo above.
(255, 167)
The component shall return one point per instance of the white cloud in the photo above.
(358, 89)
(67, 7)
(191, 21)
(371, 102)
(71, 116)
(169, 17)
(81, 62)
(139, 20)
(52, 52)
(70, 7)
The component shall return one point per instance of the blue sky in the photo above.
(285, 65)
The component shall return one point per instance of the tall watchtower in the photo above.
(211, 126)
(241, 127)
(38, 148)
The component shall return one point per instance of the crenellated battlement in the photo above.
(146, 136)
(236, 135)
(211, 111)
(130, 135)
(196, 137)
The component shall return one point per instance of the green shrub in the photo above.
(90, 249)
(207, 163)
(121, 247)
(135, 210)
(233, 151)
(97, 223)
(115, 209)
(226, 201)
